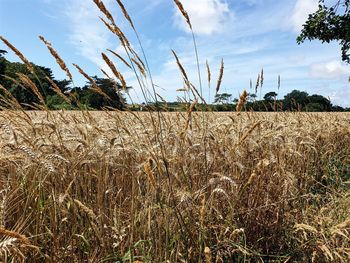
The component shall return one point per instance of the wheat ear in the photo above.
(19, 54)
(183, 12)
(59, 60)
(221, 74)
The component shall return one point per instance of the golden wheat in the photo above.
(59, 60)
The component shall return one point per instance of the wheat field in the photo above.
(112, 186)
(174, 187)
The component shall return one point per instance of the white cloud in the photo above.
(87, 33)
(207, 16)
(301, 11)
(340, 97)
(330, 70)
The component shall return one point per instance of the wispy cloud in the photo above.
(86, 31)
(207, 16)
(340, 96)
(330, 70)
(300, 13)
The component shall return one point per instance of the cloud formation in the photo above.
(340, 96)
(301, 11)
(87, 33)
(207, 16)
(331, 70)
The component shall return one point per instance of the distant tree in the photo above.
(251, 97)
(108, 95)
(330, 23)
(12, 83)
(112, 97)
(318, 103)
(270, 96)
(223, 98)
(314, 107)
(295, 100)
(3, 62)
(338, 108)
(2, 52)
(9, 78)
(64, 85)
(56, 102)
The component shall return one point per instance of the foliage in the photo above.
(295, 99)
(328, 24)
(270, 96)
(222, 98)
(111, 95)
(20, 90)
(2, 64)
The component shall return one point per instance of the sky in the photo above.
(247, 34)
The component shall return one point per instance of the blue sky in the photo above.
(248, 34)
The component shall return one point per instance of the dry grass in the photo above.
(94, 186)
(59, 60)
(171, 187)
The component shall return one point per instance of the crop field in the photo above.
(174, 187)
(120, 185)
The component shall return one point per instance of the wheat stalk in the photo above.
(19, 54)
(120, 57)
(183, 12)
(114, 70)
(208, 72)
(182, 70)
(58, 91)
(147, 167)
(8, 233)
(88, 211)
(13, 99)
(104, 10)
(29, 83)
(59, 60)
(221, 74)
(117, 31)
(125, 13)
(242, 101)
(257, 84)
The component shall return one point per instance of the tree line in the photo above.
(109, 94)
(296, 100)
(16, 80)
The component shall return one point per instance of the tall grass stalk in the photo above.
(111, 186)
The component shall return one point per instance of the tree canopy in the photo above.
(270, 96)
(223, 98)
(104, 93)
(16, 79)
(330, 23)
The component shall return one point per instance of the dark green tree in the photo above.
(2, 52)
(9, 79)
(108, 93)
(64, 85)
(3, 62)
(295, 100)
(24, 94)
(55, 101)
(112, 96)
(270, 96)
(251, 97)
(330, 23)
(223, 98)
(318, 103)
